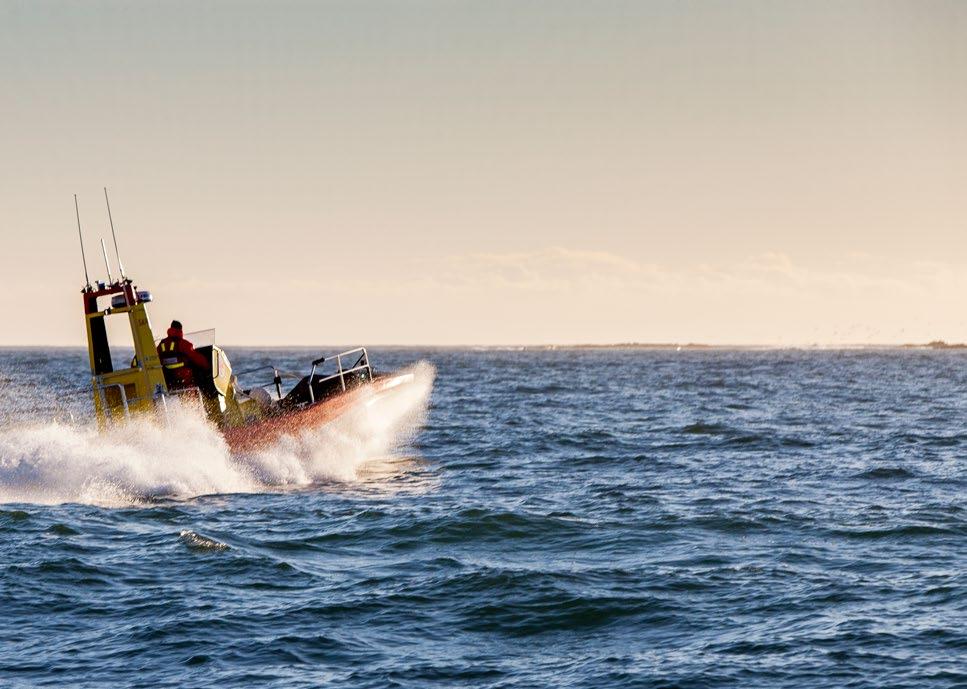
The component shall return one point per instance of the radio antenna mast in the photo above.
(107, 264)
(80, 236)
(114, 235)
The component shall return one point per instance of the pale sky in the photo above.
(492, 172)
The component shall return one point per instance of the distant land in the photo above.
(935, 344)
(939, 344)
(646, 345)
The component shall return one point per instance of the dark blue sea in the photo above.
(544, 518)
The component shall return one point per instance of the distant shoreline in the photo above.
(936, 344)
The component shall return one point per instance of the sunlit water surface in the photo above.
(564, 518)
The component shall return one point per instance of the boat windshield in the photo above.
(199, 338)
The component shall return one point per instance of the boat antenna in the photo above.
(114, 235)
(80, 236)
(107, 264)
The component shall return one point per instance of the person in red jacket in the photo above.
(180, 360)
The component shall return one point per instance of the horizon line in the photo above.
(933, 344)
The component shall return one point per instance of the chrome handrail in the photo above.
(101, 388)
(341, 373)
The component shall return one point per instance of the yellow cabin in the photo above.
(119, 393)
(141, 386)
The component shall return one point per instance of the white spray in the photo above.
(186, 457)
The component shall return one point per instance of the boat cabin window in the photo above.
(112, 341)
(120, 341)
(100, 347)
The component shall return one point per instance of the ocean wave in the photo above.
(885, 473)
(196, 541)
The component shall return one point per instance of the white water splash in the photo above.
(187, 457)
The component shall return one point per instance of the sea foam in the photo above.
(183, 456)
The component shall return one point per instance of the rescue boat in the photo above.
(249, 416)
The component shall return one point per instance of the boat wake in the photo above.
(184, 456)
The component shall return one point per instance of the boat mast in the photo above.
(80, 236)
(114, 235)
(107, 264)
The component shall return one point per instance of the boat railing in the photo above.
(361, 364)
(160, 396)
(102, 389)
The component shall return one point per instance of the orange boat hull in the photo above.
(260, 434)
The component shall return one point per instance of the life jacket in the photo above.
(179, 358)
